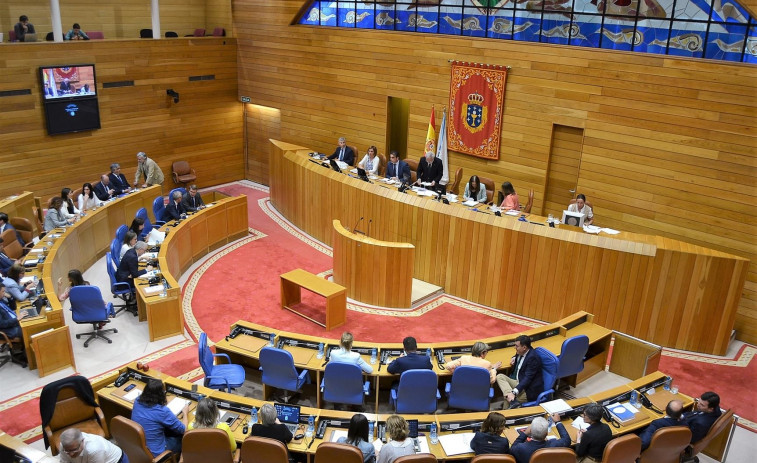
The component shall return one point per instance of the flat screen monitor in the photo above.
(68, 82)
(573, 218)
(65, 116)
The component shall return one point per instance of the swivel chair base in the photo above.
(97, 333)
(129, 306)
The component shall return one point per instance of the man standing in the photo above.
(522, 449)
(343, 153)
(525, 381)
(192, 201)
(103, 190)
(118, 180)
(430, 169)
(149, 168)
(76, 446)
(672, 417)
(23, 27)
(701, 420)
(410, 359)
(397, 168)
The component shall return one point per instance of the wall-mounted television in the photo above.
(70, 98)
(68, 81)
(72, 116)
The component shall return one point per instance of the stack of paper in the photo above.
(177, 404)
(623, 412)
(470, 203)
(155, 237)
(456, 444)
(609, 231)
(593, 229)
(556, 406)
(513, 212)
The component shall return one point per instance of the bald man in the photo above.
(673, 412)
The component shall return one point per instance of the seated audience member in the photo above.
(399, 445)
(163, 431)
(270, 426)
(410, 359)
(11, 327)
(138, 227)
(673, 412)
(475, 190)
(593, 440)
(118, 180)
(490, 439)
(128, 269)
(510, 203)
(174, 210)
(69, 208)
(75, 278)
(13, 286)
(6, 225)
(103, 190)
(357, 435)
(701, 420)
(581, 207)
(370, 161)
(343, 153)
(5, 261)
(66, 87)
(192, 201)
(130, 240)
(87, 199)
(76, 33)
(206, 416)
(430, 170)
(77, 446)
(55, 217)
(397, 168)
(23, 27)
(522, 448)
(344, 354)
(476, 359)
(149, 169)
(525, 381)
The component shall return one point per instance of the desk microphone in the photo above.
(356, 224)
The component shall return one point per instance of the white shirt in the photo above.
(373, 169)
(347, 356)
(586, 210)
(96, 450)
(86, 203)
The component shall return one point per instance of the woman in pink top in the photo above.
(511, 198)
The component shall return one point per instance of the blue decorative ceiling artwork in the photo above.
(712, 29)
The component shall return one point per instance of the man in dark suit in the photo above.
(526, 381)
(672, 417)
(175, 209)
(192, 201)
(128, 269)
(397, 168)
(343, 152)
(6, 225)
(430, 169)
(701, 420)
(11, 327)
(102, 189)
(410, 359)
(118, 180)
(522, 449)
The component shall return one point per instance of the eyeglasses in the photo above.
(76, 450)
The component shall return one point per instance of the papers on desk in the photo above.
(452, 197)
(623, 412)
(28, 279)
(495, 209)
(337, 433)
(556, 406)
(155, 237)
(31, 262)
(593, 229)
(579, 423)
(470, 203)
(148, 256)
(36, 251)
(151, 290)
(177, 404)
(513, 212)
(609, 231)
(456, 444)
(343, 165)
(423, 192)
(132, 395)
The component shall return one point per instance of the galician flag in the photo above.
(441, 150)
(431, 134)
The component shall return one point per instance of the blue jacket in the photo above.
(156, 420)
(530, 377)
(414, 361)
(404, 169)
(5, 263)
(659, 423)
(700, 423)
(522, 449)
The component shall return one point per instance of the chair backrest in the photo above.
(456, 184)
(142, 214)
(181, 190)
(87, 304)
(331, 452)
(69, 402)
(413, 164)
(181, 167)
(37, 212)
(549, 366)
(263, 450)
(530, 204)
(416, 392)
(11, 246)
(158, 206)
(219, 32)
(199, 33)
(489, 184)
(24, 228)
(121, 232)
(49, 37)
(572, 356)
(717, 427)
(493, 458)
(12, 36)
(554, 455)
(206, 445)
(115, 251)
(110, 268)
(382, 165)
(171, 34)
(131, 438)
(623, 449)
(343, 383)
(417, 458)
(666, 445)
(469, 388)
(145, 33)
(96, 35)
(278, 368)
(205, 355)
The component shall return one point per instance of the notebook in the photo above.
(289, 415)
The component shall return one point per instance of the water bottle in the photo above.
(254, 416)
(370, 431)
(271, 338)
(164, 293)
(433, 436)
(320, 351)
(373, 355)
(666, 384)
(311, 426)
(428, 352)
(635, 399)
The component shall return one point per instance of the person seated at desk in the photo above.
(87, 199)
(76, 33)
(69, 209)
(410, 359)
(490, 439)
(581, 207)
(357, 435)
(270, 426)
(525, 381)
(13, 287)
(344, 354)
(475, 190)
(77, 446)
(5, 262)
(118, 180)
(75, 278)
(130, 240)
(207, 416)
(12, 328)
(174, 210)
(192, 202)
(138, 227)
(397, 169)
(510, 203)
(400, 445)
(55, 218)
(162, 429)
(6, 225)
(522, 448)
(128, 269)
(149, 169)
(673, 413)
(430, 170)
(103, 190)
(476, 359)
(593, 440)
(66, 87)
(370, 161)
(701, 420)
(23, 27)
(343, 153)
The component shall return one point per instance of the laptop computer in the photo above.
(362, 174)
(30, 37)
(334, 165)
(289, 415)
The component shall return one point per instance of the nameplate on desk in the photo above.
(460, 426)
(576, 322)
(618, 398)
(652, 386)
(545, 334)
(299, 343)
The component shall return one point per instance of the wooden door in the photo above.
(564, 165)
(261, 124)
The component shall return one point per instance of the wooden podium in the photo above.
(374, 272)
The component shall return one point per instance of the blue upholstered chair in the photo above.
(343, 384)
(572, 356)
(115, 251)
(87, 306)
(417, 392)
(278, 370)
(142, 214)
(158, 206)
(181, 190)
(549, 366)
(228, 375)
(469, 389)
(121, 233)
(120, 289)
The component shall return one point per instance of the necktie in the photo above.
(341, 155)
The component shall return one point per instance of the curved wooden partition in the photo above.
(665, 291)
(373, 271)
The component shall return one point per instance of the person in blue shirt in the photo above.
(76, 33)
(163, 431)
(345, 355)
(673, 412)
(410, 359)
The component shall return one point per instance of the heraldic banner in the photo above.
(476, 98)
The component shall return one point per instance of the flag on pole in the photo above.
(441, 150)
(431, 134)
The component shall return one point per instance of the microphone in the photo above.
(356, 224)
(369, 227)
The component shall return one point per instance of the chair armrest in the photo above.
(447, 388)
(438, 396)
(158, 223)
(226, 356)
(303, 377)
(121, 286)
(366, 387)
(101, 419)
(491, 392)
(393, 394)
(174, 174)
(109, 310)
(49, 434)
(166, 455)
(220, 377)
(323, 382)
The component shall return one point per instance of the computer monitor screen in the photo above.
(413, 426)
(69, 81)
(65, 116)
(573, 218)
(287, 413)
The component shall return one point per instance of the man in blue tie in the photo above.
(343, 153)
(11, 327)
(397, 168)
